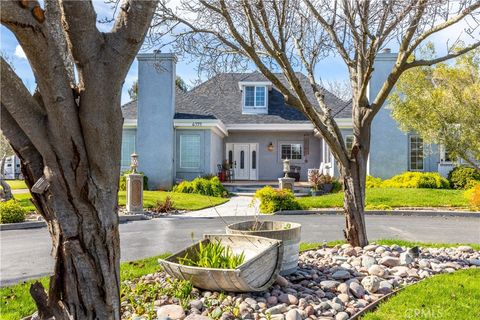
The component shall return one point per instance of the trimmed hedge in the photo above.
(207, 187)
(463, 177)
(123, 181)
(373, 182)
(429, 180)
(11, 211)
(272, 200)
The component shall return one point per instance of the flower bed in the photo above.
(334, 283)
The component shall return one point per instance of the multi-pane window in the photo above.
(250, 97)
(292, 151)
(415, 153)
(190, 151)
(349, 142)
(255, 97)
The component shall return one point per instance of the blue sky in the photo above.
(331, 68)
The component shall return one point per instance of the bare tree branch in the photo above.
(422, 62)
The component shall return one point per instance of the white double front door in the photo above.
(244, 159)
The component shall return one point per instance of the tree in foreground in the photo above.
(442, 104)
(295, 35)
(68, 137)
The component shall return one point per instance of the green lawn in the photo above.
(17, 184)
(16, 302)
(181, 201)
(393, 197)
(446, 296)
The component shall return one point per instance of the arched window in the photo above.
(242, 159)
(254, 159)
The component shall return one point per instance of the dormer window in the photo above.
(254, 97)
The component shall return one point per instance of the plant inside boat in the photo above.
(213, 255)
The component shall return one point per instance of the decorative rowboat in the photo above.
(260, 269)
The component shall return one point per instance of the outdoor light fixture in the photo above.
(286, 167)
(134, 162)
(270, 147)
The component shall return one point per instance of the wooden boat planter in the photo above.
(260, 269)
(288, 232)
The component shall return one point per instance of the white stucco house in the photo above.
(241, 118)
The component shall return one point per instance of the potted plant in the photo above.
(314, 178)
(326, 183)
(288, 232)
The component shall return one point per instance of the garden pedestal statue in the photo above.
(134, 188)
(286, 182)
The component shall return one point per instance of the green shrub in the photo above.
(206, 187)
(337, 186)
(473, 196)
(463, 177)
(373, 182)
(272, 200)
(430, 180)
(11, 211)
(123, 181)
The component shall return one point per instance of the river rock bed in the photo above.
(330, 283)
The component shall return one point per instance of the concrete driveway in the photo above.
(25, 253)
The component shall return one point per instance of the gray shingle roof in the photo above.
(221, 98)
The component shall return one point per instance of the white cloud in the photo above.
(19, 52)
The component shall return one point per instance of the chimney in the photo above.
(155, 111)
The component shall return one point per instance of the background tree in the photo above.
(68, 137)
(340, 88)
(133, 91)
(295, 35)
(5, 151)
(442, 104)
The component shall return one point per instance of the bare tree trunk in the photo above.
(354, 177)
(86, 248)
(354, 205)
(6, 192)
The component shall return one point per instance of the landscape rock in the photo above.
(171, 311)
(368, 261)
(405, 258)
(389, 261)
(281, 281)
(377, 270)
(329, 285)
(288, 299)
(384, 287)
(341, 275)
(371, 283)
(357, 289)
(343, 288)
(465, 249)
(293, 314)
(341, 316)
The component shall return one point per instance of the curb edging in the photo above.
(420, 213)
(42, 224)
